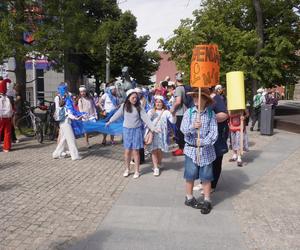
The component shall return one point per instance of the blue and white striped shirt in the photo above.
(208, 135)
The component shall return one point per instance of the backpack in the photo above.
(188, 100)
(209, 111)
(60, 115)
(257, 101)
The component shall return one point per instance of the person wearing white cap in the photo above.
(257, 102)
(133, 136)
(109, 103)
(159, 116)
(86, 105)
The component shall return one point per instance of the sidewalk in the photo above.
(150, 213)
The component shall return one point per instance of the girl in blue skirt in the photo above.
(133, 136)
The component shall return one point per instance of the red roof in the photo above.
(166, 68)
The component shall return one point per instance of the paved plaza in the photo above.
(87, 204)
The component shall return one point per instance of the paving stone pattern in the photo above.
(47, 203)
(269, 210)
(61, 204)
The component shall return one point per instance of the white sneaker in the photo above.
(198, 187)
(63, 155)
(77, 158)
(156, 172)
(136, 175)
(126, 173)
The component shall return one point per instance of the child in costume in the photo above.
(133, 136)
(199, 167)
(86, 105)
(6, 113)
(159, 116)
(65, 114)
(109, 103)
(235, 134)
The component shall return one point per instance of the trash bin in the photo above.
(266, 119)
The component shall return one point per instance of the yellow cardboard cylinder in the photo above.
(235, 90)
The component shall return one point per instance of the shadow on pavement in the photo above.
(251, 156)
(8, 165)
(6, 187)
(31, 146)
(234, 184)
(92, 242)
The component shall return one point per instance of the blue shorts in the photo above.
(193, 172)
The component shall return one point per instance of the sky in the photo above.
(158, 18)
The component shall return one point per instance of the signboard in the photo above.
(235, 88)
(205, 66)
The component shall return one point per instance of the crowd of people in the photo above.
(151, 119)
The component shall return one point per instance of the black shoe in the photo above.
(239, 163)
(206, 207)
(200, 200)
(251, 129)
(192, 203)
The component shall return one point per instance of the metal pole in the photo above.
(34, 83)
(107, 78)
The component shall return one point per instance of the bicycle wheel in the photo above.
(53, 130)
(39, 132)
(25, 127)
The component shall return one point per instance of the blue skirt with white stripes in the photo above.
(133, 138)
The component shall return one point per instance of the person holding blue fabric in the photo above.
(86, 104)
(109, 104)
(199, 167)
(133, 136)
(65, 114)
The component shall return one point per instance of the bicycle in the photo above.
(51, 126)
(30, 125)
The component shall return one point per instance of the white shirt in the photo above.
(108, 105)
(5, 107)
(10, 90)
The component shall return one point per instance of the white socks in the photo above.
(189, 196)
(234, 157)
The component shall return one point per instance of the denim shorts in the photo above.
(193, 172)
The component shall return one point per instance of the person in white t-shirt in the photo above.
(109, 103)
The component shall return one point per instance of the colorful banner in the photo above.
(235, 88)
(205, 66)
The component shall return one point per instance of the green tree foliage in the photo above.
(126, 49)
(232, 25)
(73, 34)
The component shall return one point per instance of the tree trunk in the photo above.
(72, 73)
(20, 73)
(97, 89)
(260, 34)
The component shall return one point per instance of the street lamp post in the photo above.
(34, 83)
(107, 63)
